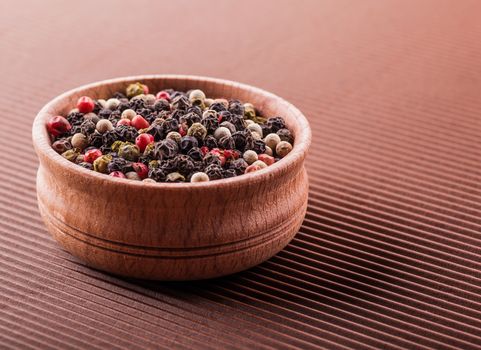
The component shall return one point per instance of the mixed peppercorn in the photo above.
(172, 136)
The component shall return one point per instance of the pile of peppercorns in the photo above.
(172, 136)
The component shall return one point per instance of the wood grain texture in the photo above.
(173, 231)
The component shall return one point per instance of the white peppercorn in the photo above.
(272, 140)
(104, 125)
(249, 122)
(229, 126)
(260, 164)
(128, 114)
(269, 151)
(149, 180)
(250, 156)
(112, 103)
(199, 177)
(79, 141)
(92, 116)
(256, 135)
(221, 132)
(102, 102)
(255, 128)
(283, 148)
(132, 175)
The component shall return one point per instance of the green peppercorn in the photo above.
(101, 163)
(70, 155)
(283, 148)
(175, 177)
(153, 164)
(79, 141)
(116, 146)
(129, 151)
(174, 135)
(149, 150)
(249, 111)
(197, 130)
(134, 90)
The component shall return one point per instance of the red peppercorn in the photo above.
(266, 159)
(219, 118)
(163, 94)
(143, 140)
(139, 122)
(124, 122)
(91, 155)
(235, 154)
(145, 88)
(204, 150)
(117, 174)
(58, 125)
(215, 151)
(85, 104)
(228, 153)
(182, 131)
(222, 160)
(141, 169)
(252, 168)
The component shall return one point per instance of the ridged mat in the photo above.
(389, 254)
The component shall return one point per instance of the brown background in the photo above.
(389, 255)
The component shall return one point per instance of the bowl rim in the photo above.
(42, 142)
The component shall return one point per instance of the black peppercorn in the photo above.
(239, 166)
(211, 122)
(161, 105)
(87, 127)
(214, 172)
(195, 153)
(240, 140)
(190, 118)
(229, 173)
(259, 146)
(95, 139)
(218, 107)
(211, 158)
(181, 103)
(104, 113)
(226, 142)
(86, 165)
(119, 164)
(236, 107)
(187, 143)
(184, 163)
(285, 135)
(157, 174)
(165, 149)
(210, 142)
(170, 124)
(275, 124)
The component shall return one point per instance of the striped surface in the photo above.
(389, 254)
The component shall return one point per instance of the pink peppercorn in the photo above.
(124, 122)
(91, 155)
(141, 169)
(145, 88)
(222, 160)
(204, 150)
(215, 151)
(139, 122)
(85, 104)
(252, 168)
(163, 94)
(117, 174)
(143, 140)
(182, 131)
(266, 159)
(58, 125)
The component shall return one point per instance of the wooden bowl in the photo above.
(173, 231)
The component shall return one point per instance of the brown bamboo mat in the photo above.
(389, 254)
